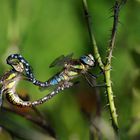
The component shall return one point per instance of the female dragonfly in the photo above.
(71, 69)
(10, 80)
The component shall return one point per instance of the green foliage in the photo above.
(43, 30)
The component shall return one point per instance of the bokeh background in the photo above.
(42, 30)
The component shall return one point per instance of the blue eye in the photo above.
(87, 60)
(84, 59)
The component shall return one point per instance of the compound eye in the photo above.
(91, 57)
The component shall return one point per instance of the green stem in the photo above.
(111, 97)
(116, 9)
(91, 35)
(105, 68)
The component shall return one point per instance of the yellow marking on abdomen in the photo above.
(15, 100)
(11, 84)
(11, 76)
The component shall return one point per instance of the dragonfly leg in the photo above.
(98, 75)
(102, 72)
(92, 75)
(100, 85)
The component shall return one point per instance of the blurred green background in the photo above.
(42, 30)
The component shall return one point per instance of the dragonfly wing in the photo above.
(91, 79)
(61, 60)
(68, 57)
(57, 61)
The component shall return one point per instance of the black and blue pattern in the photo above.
(9, 82)
(71, 69)
(70, 66)
(27, 67)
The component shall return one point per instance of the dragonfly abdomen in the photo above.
(14, 99)
(58, 78)
(53, 81)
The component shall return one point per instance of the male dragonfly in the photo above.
(9, 83)
(72, 68)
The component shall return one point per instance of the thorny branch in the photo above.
(106, 68)
(116, 9)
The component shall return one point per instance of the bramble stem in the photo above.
(106, 68)
(111, 98)
(116, 8)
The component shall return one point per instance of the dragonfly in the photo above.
(9, 83)
(72, 68)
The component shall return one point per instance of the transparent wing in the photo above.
(57, 61)
(91, 79)
(61, 60)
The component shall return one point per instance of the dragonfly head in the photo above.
(88, 60)
(16, 64)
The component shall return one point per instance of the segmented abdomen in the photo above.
(14, 99)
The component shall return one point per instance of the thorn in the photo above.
(107, 86)
(112, 111)
(112, 83)
(111, 9)
(106, 95)
(112, 16)
(87, 15)
(110, 119)
(120, 22)
(106, 106)
(114, 57)
(114, 96)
